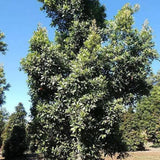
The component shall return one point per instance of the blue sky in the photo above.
(19, 19)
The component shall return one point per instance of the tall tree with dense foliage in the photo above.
(14, 135)
(148, 111)
(80, 84)
(65, 13)
(3, 87)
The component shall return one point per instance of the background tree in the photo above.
(3, 119)
(3, 85)
(14, 136)
(132, 133)
(148, 111)
(3, 45)
(79, 88)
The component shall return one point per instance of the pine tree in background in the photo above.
(3, 119)
(14, 135)
(3, 45)
(3, 85)
(80, 84)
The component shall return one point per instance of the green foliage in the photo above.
(3, 120)
(3, 45)
(49, 66)
(132, 133)
(3, 85)
(14, 136)
(79, 86)
(149, 110)
(64, 12)
(15, 144)
(129, 55)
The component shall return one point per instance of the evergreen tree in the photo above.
(148, 111)
(14, 135)
(132, 133)
(3, 119)
(3, 85)
(3, 45)
(64, 12)
(79, 86)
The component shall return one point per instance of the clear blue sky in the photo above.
(19, 19)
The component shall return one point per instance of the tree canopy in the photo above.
(3, 84)
(3, 119)
(3, 45)
(64, 13)
(132, 133)
(80, 83)
(14, 135)
(148, 111)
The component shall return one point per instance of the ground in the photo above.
(149, 154)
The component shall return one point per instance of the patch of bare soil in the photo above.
(150, 154)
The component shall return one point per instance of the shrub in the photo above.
(16, 143)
